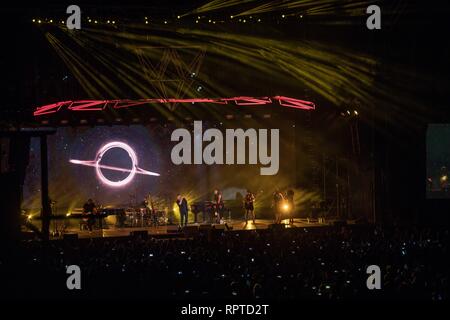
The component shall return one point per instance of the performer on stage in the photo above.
(89, 209)
(183, 206)
(290, 201)
(218, 205)
(277, 205)
(150, 210)
(145, 205)
(249, 206)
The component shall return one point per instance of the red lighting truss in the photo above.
(100, 105)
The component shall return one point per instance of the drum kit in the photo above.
(144, 217)
(144, 214)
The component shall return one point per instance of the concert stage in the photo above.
(174, 230)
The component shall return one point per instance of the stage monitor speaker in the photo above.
(173, 229)
(219, 227)
(205, 227)
(340, 223)
(70, 236)
(190, 230)
(277, 226)
(143, 234)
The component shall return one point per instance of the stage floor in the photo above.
(113, 231)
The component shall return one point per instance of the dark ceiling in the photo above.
(407, 68)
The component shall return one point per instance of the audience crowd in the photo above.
(297, 263)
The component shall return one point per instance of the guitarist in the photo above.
(150, 210)
(218, 205)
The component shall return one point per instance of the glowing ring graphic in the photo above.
(131, 154)
(98, 166)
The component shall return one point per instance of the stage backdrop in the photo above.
(73, 178)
